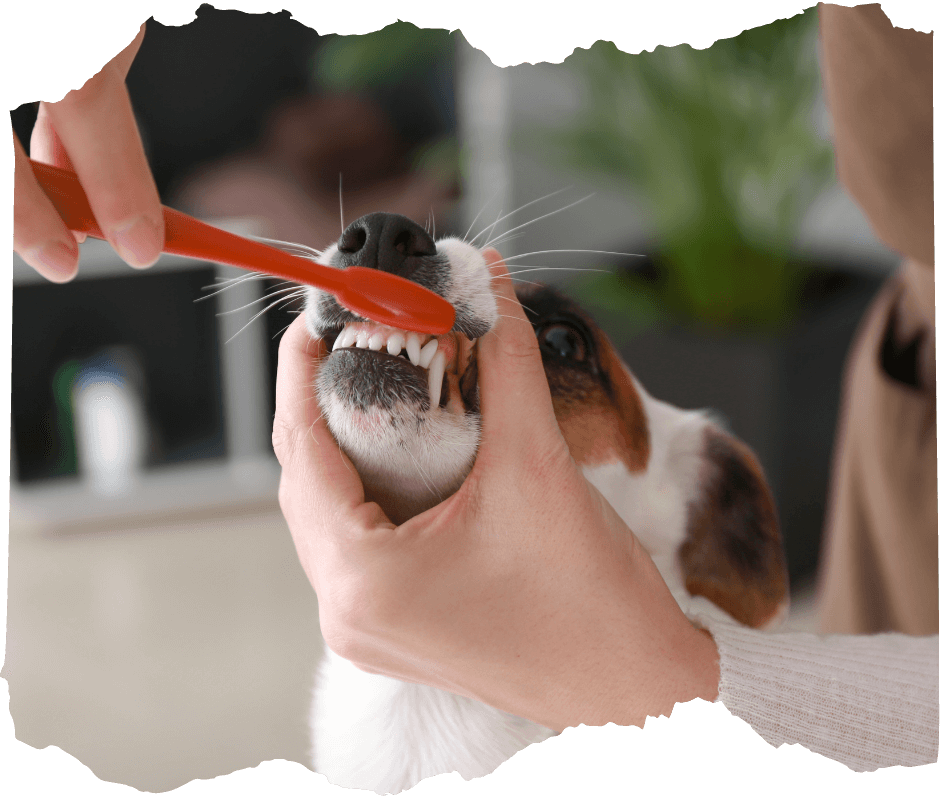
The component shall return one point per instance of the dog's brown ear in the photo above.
(733, 554)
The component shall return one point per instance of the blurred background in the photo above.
(160, 628)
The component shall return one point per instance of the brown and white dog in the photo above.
(404, 407)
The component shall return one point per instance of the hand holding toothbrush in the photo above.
(92, 132)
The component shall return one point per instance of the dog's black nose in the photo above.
(389, 242)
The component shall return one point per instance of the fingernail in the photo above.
(57, 257)
(138, 242)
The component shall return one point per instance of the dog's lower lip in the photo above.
(379, 354)
(403, 361)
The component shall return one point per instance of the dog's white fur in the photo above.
(377, 733)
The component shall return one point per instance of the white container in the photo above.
(110, 422)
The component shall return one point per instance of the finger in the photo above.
(312, 464)
(512, 379)
(98, 131)
(39, 234)
(46, 147)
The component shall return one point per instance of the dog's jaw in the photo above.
(410, 454)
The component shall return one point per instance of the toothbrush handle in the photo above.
(373, 294)
(187, 236)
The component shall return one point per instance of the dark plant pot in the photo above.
(779, 391)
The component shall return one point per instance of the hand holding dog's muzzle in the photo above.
(524, 590)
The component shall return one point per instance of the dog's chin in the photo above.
(409, 454)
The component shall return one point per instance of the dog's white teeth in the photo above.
(427, 353)
(436, 378)
(345, 339)
(395, 342)
(352, 336)
(413, 346)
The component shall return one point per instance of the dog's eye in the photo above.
(563, 341)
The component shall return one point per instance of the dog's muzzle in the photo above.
(373, 365)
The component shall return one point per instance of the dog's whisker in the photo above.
(311, 434)
(258, 315)
(285, 328)
(500, 218)
(514, 279)
(235, 279)
(512, 234)
(342, 224)
(296, 246)
(539, 219)
(507, 236)
(493, 332)
(524, 269)
(510, 316)
(504, 241)
(299, 288)
(488, 227)
(283, 302)
(477, 217)
(532, 310)
(227, 284)
(595, 252)
(294, 293)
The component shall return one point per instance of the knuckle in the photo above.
(285, 495)
(523, 350)
(283, 439)
(518, 342)
(342, 624)
(340, 642)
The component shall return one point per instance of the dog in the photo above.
(404, 407)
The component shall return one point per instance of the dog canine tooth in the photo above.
(427, 353)
(435, 377)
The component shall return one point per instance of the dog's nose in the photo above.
(389, 242)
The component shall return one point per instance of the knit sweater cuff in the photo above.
(866, 701)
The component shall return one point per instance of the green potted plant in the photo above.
(720, 146)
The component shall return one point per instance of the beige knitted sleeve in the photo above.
(866, 701)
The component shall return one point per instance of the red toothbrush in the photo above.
(379, 296)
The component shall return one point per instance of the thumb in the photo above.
(314, 471)
(515, 402)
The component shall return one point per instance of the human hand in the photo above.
(91, 131)
(524, 590)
